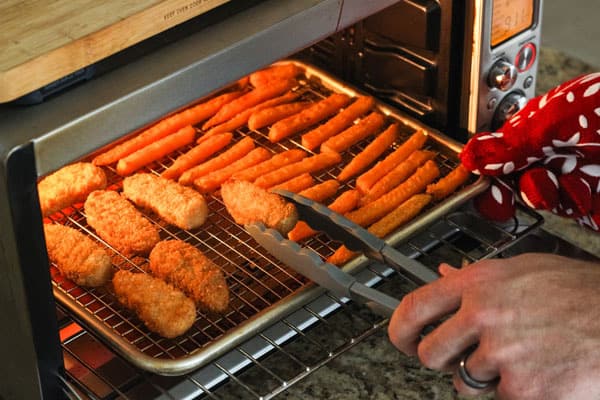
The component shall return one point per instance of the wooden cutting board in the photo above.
(42, 41)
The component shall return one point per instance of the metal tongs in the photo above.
(310, 264)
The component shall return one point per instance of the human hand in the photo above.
(534, 319)
(549, 150)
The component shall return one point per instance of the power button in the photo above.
(525, 57)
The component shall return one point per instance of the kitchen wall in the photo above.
(573, 26)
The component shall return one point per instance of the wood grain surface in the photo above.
(42, 41)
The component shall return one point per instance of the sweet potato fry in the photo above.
(341, 256)
(321, 191)
(398, 175)
(267, 116)
(230, 155)
(212, 180)
(309, 164)
(375, 210)
(361, 130)
(402, 214)
(242, 118)
(250, 99)
(155, 151)
(398, 217)
(197, 154)
(365, 181)
(276, 161)
(311, 140)
(370, 153)
(343, 204)
(267, 75)
(296, 184)
(308, 117)
(449, 183)
(191, 116)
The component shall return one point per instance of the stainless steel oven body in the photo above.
(444, 86)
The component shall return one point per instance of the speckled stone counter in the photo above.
(373, 369)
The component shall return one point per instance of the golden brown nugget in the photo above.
(163, 308)
(177, 204)
(119, 223)
(248, 203)
(70, 184)
(78, 257)
(188, 269)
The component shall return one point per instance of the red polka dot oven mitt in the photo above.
(549, 153)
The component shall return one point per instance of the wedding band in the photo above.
(468, 379)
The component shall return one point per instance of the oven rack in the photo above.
(262, 289)
(291, 349)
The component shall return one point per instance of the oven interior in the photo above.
(320, 327)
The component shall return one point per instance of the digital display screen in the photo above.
(510, 17)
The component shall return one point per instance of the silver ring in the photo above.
(468, 379)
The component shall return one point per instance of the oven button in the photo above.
(508, 107)
(502, 75)
(525, 57)
(528, 82)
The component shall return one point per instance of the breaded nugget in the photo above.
(177, 204)
(78, 257)
(118, 222)
(163, 308)
(188, 269)
(248, 203)
(68, 185)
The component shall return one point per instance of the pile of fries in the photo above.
(380, 196)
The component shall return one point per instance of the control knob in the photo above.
(502, 75)
(508, 107)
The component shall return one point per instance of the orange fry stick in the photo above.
(296, 184)
(311, 140)
(197, 154)
(308, 164)
(267, 116)
(375, 210)
(213, 180)
(398, 175)
(362, 129)
(267, 75)
(171, 124)
(402, 214)
(321, 191)
(155, 151)
(230, 155)
(398, 217)
(308, 117)
(449, 183)
(343, 204)
(370, 153)
(365, 181)
(242, 118)
(276, 161)
(250, 99)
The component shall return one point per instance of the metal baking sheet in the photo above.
(262, 290)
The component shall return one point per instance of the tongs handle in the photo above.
(379, 302)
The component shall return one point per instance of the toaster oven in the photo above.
(445, 66)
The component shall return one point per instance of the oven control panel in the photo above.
(506, 39)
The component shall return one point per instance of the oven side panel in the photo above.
(26, 302)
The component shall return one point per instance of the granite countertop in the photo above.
(374, 369)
